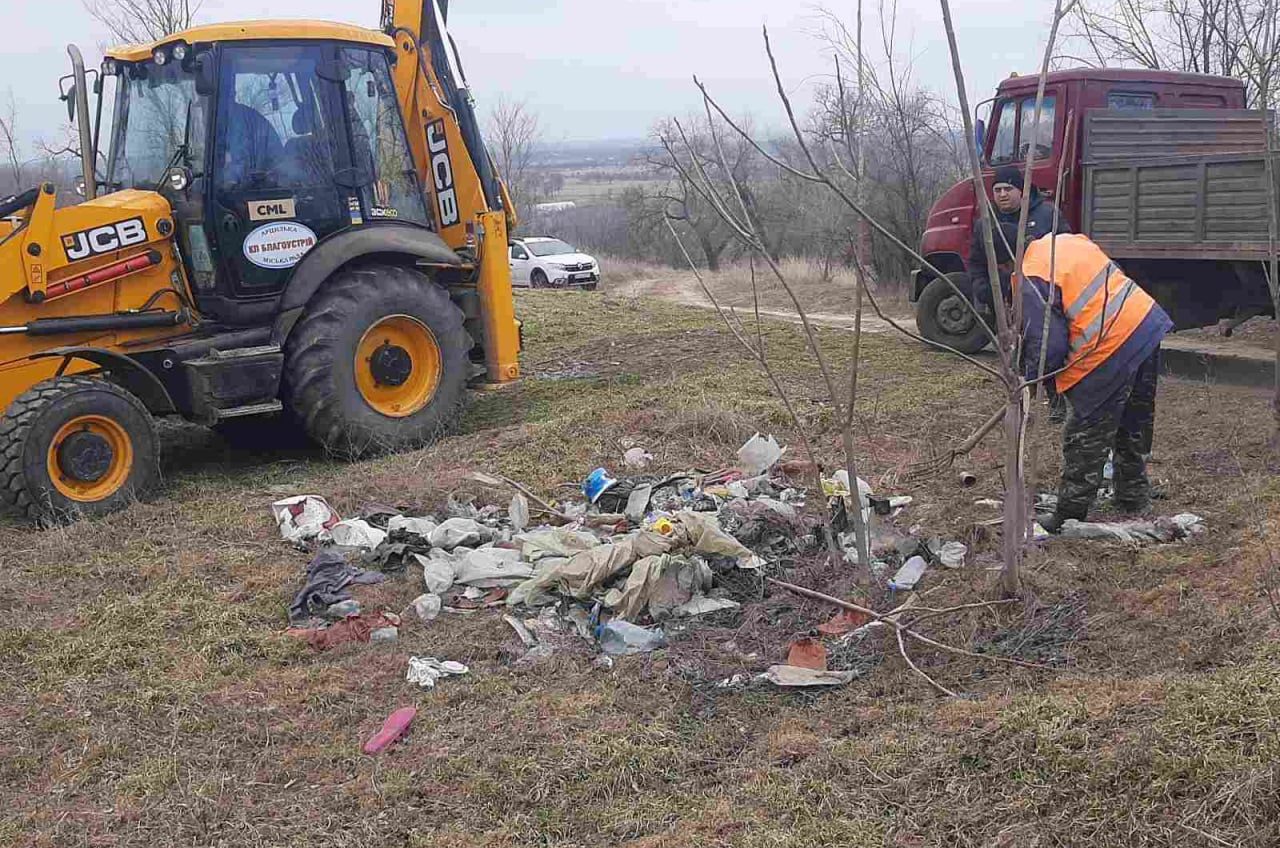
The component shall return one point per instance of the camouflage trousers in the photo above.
(1123, 425)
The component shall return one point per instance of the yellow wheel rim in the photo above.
(398, 366)
(90, 458)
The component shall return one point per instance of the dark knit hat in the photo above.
(1010, 174)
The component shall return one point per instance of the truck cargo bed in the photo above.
(1178, 203)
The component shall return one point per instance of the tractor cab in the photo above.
(265, 144)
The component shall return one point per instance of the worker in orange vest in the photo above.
(1102, 349)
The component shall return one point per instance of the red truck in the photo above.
(1165, 170)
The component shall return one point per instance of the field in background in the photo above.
(149, 696)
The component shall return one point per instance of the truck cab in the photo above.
(1004, 129)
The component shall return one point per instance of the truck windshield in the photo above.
(1019, 117)
(150, 120)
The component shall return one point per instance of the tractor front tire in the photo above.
(76, 447)
(378, 362)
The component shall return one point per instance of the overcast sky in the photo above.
(592, 69)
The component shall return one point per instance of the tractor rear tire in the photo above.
(945, 317)
(76, 447)
(378, 362)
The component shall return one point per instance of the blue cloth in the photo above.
(1102, 382)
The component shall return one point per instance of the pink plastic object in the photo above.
(392, 729)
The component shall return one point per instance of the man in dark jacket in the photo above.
(1103, 348)
(1042, 218)
(1006, 194)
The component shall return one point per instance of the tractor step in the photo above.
(268, 408)
(234, 383)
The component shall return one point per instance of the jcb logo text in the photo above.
(442, 173)
(104, 239)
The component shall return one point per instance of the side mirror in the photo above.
(206, 77)
(979, 135)
(70, 99)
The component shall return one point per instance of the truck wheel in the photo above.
(944, 317)
(378, 361)
(76, 446)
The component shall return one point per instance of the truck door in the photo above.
(279, 148)
(1017, 135)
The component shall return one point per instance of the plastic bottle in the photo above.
(620, 637)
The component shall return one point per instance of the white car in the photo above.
(539, 262)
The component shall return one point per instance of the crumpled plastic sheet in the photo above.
(412, 526)
(1136, 532)
(459, 532)
(481, 567)
(357, 533)
(490, 567)
(537, 545)
(661, 585)
(584, 572)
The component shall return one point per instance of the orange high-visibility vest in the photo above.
(1103, 306)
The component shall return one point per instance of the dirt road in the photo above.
(682, 287)
(1242, 359)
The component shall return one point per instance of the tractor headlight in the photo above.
(109, 67)
(178, 179)
(159, 56)
(179, 52)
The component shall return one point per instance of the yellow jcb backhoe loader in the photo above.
(290, 220)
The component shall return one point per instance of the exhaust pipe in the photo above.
(81, 93)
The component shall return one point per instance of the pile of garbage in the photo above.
(634, 551)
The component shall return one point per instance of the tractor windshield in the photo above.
(152, 107)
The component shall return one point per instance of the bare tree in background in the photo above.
(513, 134)
(140, 21)
(906, 141)
(684, 153)
(10, 149)
(1200, 36)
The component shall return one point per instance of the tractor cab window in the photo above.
(156, 109)
(273, 129)
(379, 148)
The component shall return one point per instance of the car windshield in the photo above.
(151, 121)
(553, 247)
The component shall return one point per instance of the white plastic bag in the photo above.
(357, 533)
(304, 517)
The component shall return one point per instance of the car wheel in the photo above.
(537, 280)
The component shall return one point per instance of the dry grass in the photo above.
(149, 696)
